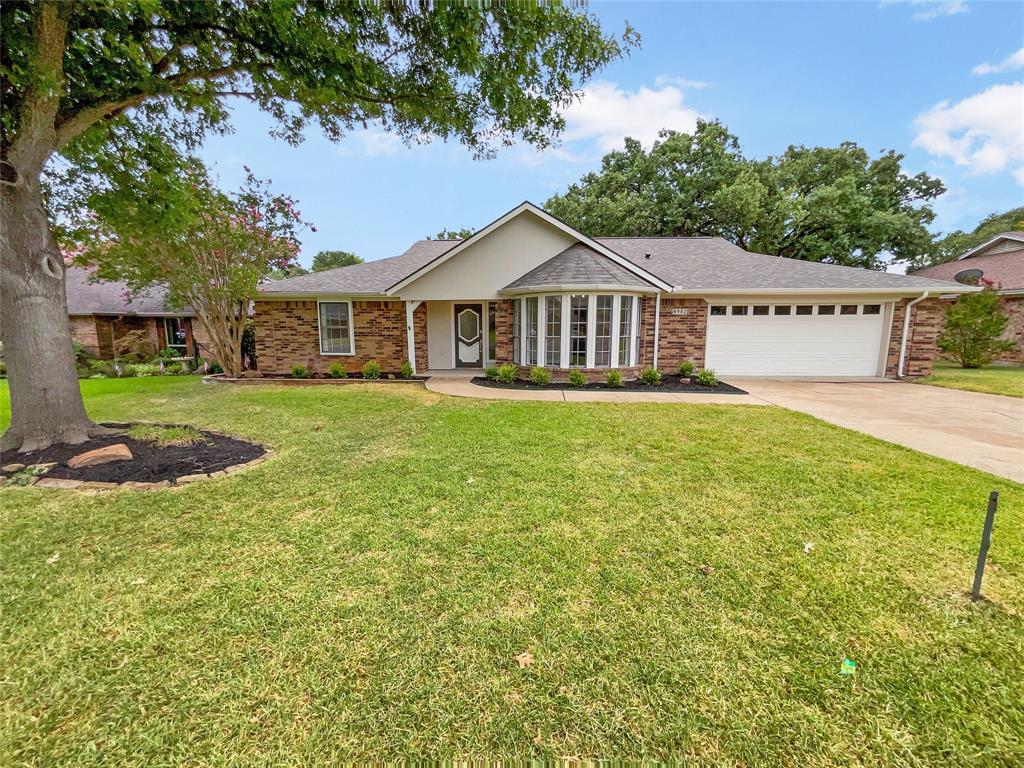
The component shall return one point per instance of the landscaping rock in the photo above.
(41, 469)
(58, 482)
(146, 486)
(11, 468)
(188, 479)
(96, 485)
(104, 455)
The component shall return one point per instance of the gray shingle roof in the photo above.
(373, 277)
(581, 265)
(108, 298)
(715, 264)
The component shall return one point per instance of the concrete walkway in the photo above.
(978, 430)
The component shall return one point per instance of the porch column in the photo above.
(410, 333)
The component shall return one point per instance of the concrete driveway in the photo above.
(981, 431)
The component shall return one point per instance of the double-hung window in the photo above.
(336, 328)
(578, 312)
(553, 331)
(603, 332)
(174, 330)
(531, 331)
(626, 329)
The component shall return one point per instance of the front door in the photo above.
(469, 336)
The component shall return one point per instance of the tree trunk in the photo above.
(46, 404)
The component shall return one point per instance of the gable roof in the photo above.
(1006, 269)
(519, 210)
(108, 297)
(714, 265)
(578, 265)
(1013, 240)
(372, 278)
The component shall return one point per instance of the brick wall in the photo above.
(926, 321)
(287, 335)
(503, 331)
(83, 330)
(1014, 307)
(419, 325)
(683, 337)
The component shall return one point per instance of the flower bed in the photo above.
(669, 383)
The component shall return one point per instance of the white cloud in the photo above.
(682, 82)
(983, 132)
(932, 9)
(1010, 63)
(607, 114)
(376, 142)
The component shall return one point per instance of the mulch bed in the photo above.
(150, 464)
(669, 383)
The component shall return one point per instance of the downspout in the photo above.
(906, 330)
(657, 319)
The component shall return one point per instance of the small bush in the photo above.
(164, 436)
(174, 369)
(706, 377)
(214, 367)
(540, 376)
(651, 376)
(507, 373)
(491, 373)
(614, 379)
(406, 370)
(685, 369)
(169, 354)
(141, 369)
(371, 370)
(577, 378)
(102, 369)
(300, 372)
(337, 371)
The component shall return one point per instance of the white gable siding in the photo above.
(1003, 246)
(485, 267)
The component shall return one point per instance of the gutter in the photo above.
(906, 329)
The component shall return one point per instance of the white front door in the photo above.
(795, 340)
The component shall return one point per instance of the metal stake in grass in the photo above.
(986, 538)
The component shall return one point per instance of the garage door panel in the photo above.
(840, 345)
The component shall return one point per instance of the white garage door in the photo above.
(795, 340)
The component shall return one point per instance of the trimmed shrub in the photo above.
(214, 367)
(300, 372)
(651, 376)
(577, 378)
(406, 370)
(337, 371)
(706, 378)
(507, 373)
(142, 369)
(169, 354)
(685, 369)
(540, 376)
(491, 373)
(614, 379)
(371, 370)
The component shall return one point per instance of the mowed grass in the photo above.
(363, 594)
(993, 379)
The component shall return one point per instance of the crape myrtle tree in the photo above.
(973, 332)
(209, 249)
(72, 74)
(830, 204)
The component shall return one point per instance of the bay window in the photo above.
(531, 331)
(603, 332)
(627, 329)
(553, 331)
(578, 306)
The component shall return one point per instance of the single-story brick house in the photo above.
(1000, 261)
(101, 312)
(532, 290)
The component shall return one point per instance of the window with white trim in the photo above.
(531, 331)
(603, 332)
(578, 315)
(174, 330)
(627, 329)
(553, 331)
(335, 327)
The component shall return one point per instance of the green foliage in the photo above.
(371, 370)
(168, 354)
(957, 243)
(614, 379)
(685, 369)
(214, 368)
(540, 376)
(507, 373)
(334, 259)
(300, 372)
(406, 370)
(452, 234)
(577, 378)
(831, 204)
(491, 373)
(100, 368)
(165, 436)
(973, 330)
(651, 376)
(248, 347)
(337, 371)
(141, 369)
(706, 377)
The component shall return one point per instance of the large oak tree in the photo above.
(73, 74)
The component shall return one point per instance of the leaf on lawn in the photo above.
(53, 558)
(707, 570)
(470, 480)
(848, 667)
(808, 547)
(139, 581)
(524, 659)
(318, 427)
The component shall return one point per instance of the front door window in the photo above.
(174, 329)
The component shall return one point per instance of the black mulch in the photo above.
(668, 384)
(150, 464)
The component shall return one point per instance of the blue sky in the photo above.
(940, 82)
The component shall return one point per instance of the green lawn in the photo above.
(994, 379)
(363, 594)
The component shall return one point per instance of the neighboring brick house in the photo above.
(530, 289)
(999, 261)
(101, 312)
